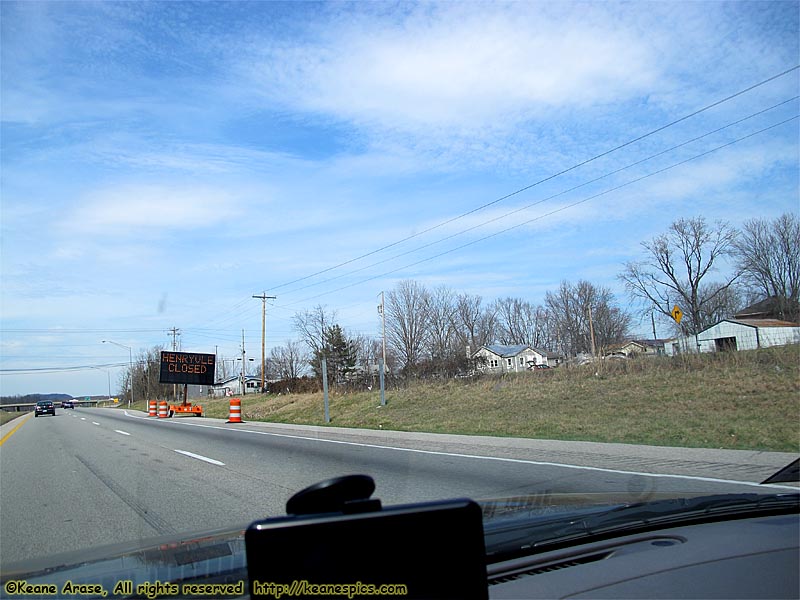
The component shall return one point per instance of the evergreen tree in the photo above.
(340, 353)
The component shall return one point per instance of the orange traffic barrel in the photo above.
(152, 412)
(235, 415)
(162, 410)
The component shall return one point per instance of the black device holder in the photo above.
(348, 495)
(337, 541)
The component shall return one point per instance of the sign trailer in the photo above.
(187, 368)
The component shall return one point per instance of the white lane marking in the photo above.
(200, 457)
(83, 418)
(122, 432)
(95, 423)
(478, 457)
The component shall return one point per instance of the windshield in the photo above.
(544, 255)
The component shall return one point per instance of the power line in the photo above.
(229, 317)
(31, 370)
(543, 200)
(234, 307)
(561, 209)
(548, 178)
(232, 313)
(77, 331)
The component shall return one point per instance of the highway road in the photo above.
(91, 477)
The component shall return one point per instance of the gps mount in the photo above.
(338, 541)
(348, 495)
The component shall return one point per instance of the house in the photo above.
(738, 334)
(232, 386)
(633, 348)
(775, 307)
(499, 358)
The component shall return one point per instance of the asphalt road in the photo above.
(91, 477)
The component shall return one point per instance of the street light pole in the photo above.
(131, 398)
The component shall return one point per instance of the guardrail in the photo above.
(28, 406)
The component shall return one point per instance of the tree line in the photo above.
(710, 270)
(681, 267)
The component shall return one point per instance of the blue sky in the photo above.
(163, 162)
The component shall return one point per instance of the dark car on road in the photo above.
(44, 407)
(67, 404)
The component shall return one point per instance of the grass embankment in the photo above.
(741, 400)
(6, 416)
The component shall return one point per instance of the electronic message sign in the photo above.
(187, 367)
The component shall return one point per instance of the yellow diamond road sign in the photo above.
(677, 314)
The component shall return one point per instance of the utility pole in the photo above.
(382, 312)
(263, 297)
(382, 369)
(175, 333)
(244, 383)
(591, 330)
(653, 320)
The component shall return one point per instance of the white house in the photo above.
(738, 334)
(232, 386)
(499, 358)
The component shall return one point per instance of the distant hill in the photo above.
(33, 398)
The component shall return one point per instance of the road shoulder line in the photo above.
(22, 421)
(467, 455)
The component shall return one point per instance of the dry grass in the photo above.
(6, 416)
(743, 400)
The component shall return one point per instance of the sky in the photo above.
(164, 162)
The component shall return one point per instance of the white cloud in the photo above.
(721, 171)
(136, 209)
(459, 68)
(269, 141)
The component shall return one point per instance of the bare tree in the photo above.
(570, 320)
(289, 360)
(407, 321)
(312, 326)
(570, 308)
(610, 323)
(520, 322)
(510, 324)
(675, 268)
(542, 321)
(441, 311)
(223, 371)
(723, 304)
(144, 377)
(768, 254)
(475, 324)
(368, 352)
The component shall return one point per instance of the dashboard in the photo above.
(742, 558)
